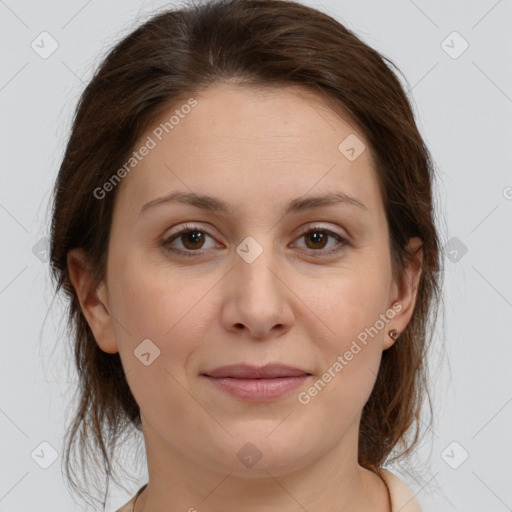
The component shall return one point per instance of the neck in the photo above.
(182, 483)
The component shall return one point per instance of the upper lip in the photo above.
(245, 371)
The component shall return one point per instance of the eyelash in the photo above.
(191, 254)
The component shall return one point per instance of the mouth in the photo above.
(251, 383)
(246, 371)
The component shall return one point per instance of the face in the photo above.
(253, 283)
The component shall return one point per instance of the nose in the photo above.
(257, 301)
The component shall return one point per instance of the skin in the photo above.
(256, 150)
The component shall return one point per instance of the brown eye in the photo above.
(192, 239)
(316, 240)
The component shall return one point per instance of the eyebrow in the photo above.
(213, 204)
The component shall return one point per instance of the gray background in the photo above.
(463, 104)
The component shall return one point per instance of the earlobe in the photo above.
(406, 294)
(93, 302)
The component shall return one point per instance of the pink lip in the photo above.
(257, 383)
(247, 371)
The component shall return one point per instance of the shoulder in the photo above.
(128, 507)
(402, 497)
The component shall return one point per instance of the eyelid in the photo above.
(188, 227)
(310, 227)
(343, 240)
(303, 229)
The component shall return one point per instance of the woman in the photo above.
(243, 224)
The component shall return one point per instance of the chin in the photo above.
(256, 454)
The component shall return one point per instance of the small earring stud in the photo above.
(394, 334)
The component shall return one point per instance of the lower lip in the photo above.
(260, 390)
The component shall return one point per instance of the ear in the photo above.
(94, 303)
(404, 293)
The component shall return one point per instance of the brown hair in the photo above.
(259, 43)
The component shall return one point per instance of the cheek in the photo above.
(350, 303)
(167, 309)
(353, 308)
(349, 362)
(154, 301)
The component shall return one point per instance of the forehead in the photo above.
(251, 145)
